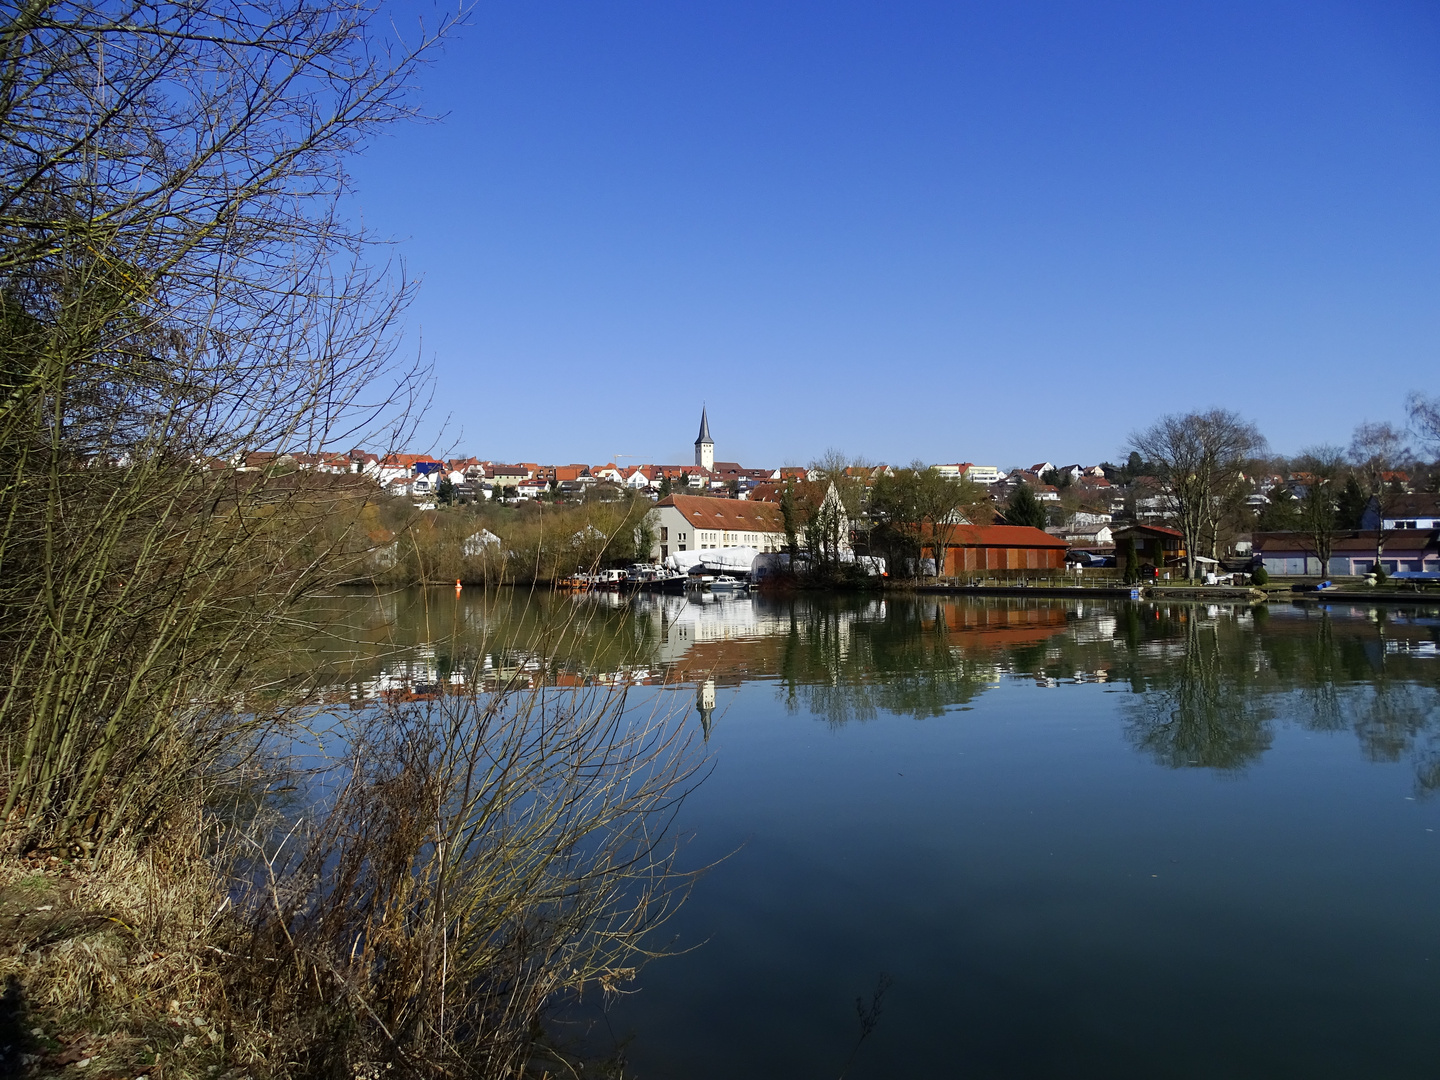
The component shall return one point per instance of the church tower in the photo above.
(704, 445)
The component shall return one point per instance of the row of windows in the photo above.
(707, 540)
(1341, 565)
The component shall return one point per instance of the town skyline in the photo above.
(721, 452)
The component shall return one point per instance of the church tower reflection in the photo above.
(705, 705)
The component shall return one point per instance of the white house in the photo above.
(464, 471)
(508, 475)
(1154, 508)
(335, 464)
(1418, 511)
(698, 523)
(476, 543)
(1085, 535)
(981, 474)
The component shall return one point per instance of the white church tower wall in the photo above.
(704, 445)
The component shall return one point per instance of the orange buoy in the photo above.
(457, 586)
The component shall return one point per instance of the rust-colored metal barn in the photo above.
(1002, 547)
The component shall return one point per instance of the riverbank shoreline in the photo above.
(1112, 592)
(1198, 593)
(1357, 596)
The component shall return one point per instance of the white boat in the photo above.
(727, 584)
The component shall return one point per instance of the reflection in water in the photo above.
(1060, 855)
(1195, 708)
(705, 705)
(1209, 684)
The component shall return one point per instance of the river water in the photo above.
(1064, 839)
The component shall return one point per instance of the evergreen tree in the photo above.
(1350, 507)
(664, 486)
(1024, 508)
(1281, 515)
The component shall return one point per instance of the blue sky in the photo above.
(985, 232)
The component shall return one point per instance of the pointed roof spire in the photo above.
(704, 435)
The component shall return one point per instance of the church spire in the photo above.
(704, 445)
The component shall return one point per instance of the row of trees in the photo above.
(1203, 461)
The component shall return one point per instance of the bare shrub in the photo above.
(485, 856)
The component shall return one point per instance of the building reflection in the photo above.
(1202, 678)
(705, 705)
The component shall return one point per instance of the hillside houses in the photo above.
(425, 478)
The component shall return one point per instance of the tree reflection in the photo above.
(1202, 707)
(1209, 687)
(901, 664)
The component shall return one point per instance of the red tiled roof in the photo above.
(768, 493)
(730, 515)
(408, 461)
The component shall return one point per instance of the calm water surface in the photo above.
(1075, 840)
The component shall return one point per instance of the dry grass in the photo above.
(112, 962)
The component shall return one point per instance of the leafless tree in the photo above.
(1377, 449)
(484, 855)
(946, 503)
(848, 474)
(1318, 509)
(1200, 457)
(179, 294)
(1425, 419)
(178, 289)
